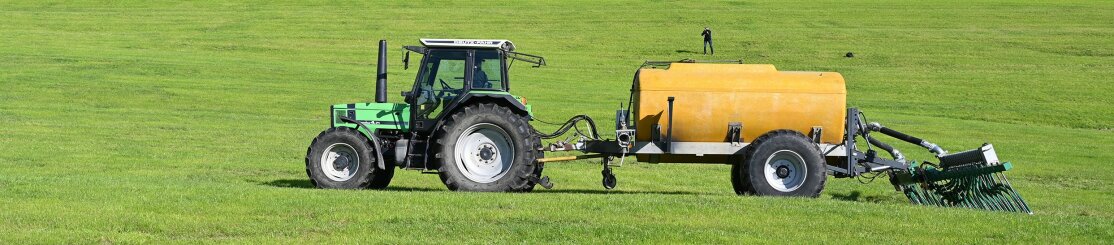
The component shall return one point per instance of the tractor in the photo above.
(459, 120)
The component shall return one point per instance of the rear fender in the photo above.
(500, 98)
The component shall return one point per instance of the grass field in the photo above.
(154, 122)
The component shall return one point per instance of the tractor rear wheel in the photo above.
(342, 158)
(780, 163)
(486, 147)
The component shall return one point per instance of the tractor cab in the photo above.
(455, 71)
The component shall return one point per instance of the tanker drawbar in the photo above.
(782, 132)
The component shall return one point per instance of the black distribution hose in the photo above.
(571, 123)
(900, 135)
(890, 149)
(907, 138)
(880, 144)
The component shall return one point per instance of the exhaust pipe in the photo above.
(381, 74)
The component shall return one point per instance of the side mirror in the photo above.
(406, 61)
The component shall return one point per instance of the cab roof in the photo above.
(505, 45)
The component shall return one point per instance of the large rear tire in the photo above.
(780, 163)
(342, 158)
(486, 147)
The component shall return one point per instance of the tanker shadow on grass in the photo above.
(606, 192)
(857, 196)
(853, 196)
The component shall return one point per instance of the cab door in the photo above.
(443, 78)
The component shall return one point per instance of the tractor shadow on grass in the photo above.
(304, 183)
(288, 183)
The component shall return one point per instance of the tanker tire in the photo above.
(749, 175)
(524, 145)
(366, 174)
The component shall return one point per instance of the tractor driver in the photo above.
(479, 77)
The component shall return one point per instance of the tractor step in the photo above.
(415, 155)
(415, 162)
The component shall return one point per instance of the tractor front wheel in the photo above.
(486, 147)
(342, 158)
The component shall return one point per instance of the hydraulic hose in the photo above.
(633, 86)
(874, 126)
(569, 125)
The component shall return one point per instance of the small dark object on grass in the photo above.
(849, 55)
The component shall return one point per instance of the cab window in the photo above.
(487, 72)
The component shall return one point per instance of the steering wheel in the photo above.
(446, 89)
(445, 84)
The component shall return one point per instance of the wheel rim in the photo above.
(785, 170)
(484, 153)
(339, 162)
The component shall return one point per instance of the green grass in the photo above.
(134, 122)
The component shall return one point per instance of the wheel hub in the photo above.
(782, 172)
(487, 153)
(341, 162)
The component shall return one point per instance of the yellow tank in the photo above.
(710, 96)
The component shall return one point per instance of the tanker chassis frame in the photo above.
(624, 145)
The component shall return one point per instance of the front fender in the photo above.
(367, 132)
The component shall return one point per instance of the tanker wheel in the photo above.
(342, 158)
(486, 147)
(780, 163)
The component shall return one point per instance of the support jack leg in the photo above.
(609, 180)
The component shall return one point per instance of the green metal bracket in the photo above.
(937, 175)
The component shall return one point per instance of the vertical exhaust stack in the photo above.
(381, 74)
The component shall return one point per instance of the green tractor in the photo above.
(459, 120)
